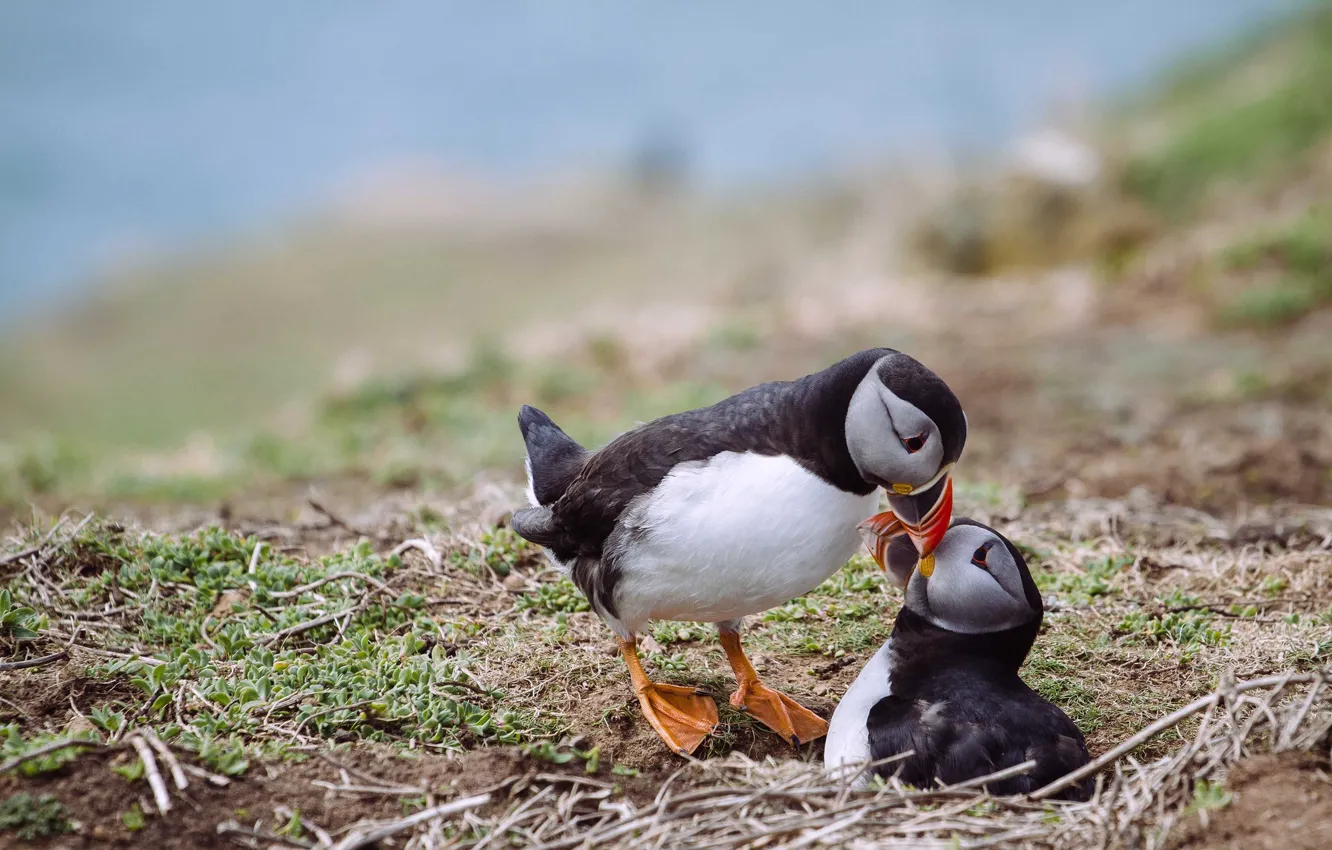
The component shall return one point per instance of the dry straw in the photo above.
(739, 803)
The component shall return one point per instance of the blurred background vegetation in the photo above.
(347, 269)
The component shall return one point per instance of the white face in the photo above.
(890, 440)
(976, 586)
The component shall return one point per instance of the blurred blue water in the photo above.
(161, 124)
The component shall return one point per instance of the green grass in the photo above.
(1270, 305)
(431, 431)
(401, 658)
(217, 671)
(1288, 269)
(848, 613)
(1257, 108)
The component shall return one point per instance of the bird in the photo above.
(715, 514)
(945, 686)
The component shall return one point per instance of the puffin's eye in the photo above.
(916, 443)
(978, 557)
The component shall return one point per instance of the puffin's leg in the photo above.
(681, 716)
(775, 710)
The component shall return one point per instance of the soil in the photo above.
(1279, 802)
(97, 798)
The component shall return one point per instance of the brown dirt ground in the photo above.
(1280, 802)
(97, 797)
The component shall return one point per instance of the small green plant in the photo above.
(293, 828)
(1208, 796)
(132, 770)
(18, 622)
(133, 818)
(12, 743)
(675, 663)
(30, 818)
(1177, 598)
(559, 753)
(1093, 580)
(500, 551)
(1273, 586)
(800, 608)
(667, 633)
(1188, 630)
(560, 596)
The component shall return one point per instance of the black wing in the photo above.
(968, 735)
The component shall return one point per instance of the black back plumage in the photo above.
(957, 702)
(803, 419)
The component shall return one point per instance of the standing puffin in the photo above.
(946, 684)
(714, 514)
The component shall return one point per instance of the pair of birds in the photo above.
(719, 513)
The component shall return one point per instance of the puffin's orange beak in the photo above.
(879, 530)
(934, 525)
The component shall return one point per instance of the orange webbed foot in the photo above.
(681, 716)
(780, 713)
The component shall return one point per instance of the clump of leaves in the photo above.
(560, 753)
(133, 818)
(667, 633)
(501, 550)
(1208, 796)
(1188, 630)
(30, 818)
(557, 597)
(17, 622)
(1092, 580)
(13, 744)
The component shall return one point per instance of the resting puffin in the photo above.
(714, 514)
(946, 683)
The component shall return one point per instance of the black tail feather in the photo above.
(553, 457)
(536, 524)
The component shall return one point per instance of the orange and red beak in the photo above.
(880, 529)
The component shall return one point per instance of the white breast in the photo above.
(847, 746)
(731, 536)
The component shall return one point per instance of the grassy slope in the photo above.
(1235, 116)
